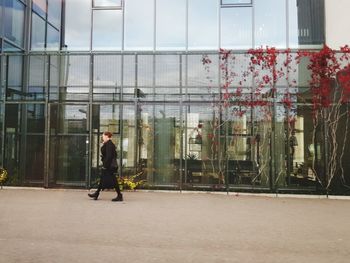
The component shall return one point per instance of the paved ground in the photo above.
(66, 226)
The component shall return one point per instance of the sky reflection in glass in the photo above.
(270, 23)
(39, 6)
(14, 21)
(38, 33)
(107, 30)
(171, 25)
(77, 28)
(293, 23)
(202, 24)
(139, 25)
(54, 12)
(103, 3)
(236, 28)
(53, 38)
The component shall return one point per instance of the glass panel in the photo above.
(139, 25)
(54, 77)
(2, 80)
(53, 38)
(129, 75)
(201, 147)
(270, 23)
(75, 78)
(129, 142)
(107, 79)
(77, 70)
(170, 28)
(145, 70)
(12, 142)
(68, 160)
(104, 118)
(54, 12)
(248, 146)
(68, 119)
(74, 93)
(201, 84)
(153, 150)
(11, 48)
(35, 117)
(107, 70)
(2, 107)
(14, 78)
(235, 2)
(1, 23)
(202, 16)
(143, 79)
(293, 23)
(77, 28)
(167, 77)
(34, 158)
(236, 28)
(280, 150)
(299, 158)
(100, 3)
(168, 71)
(159, 151)
(14, 21)
(22, 147)
(37, 81)
(38, 33)
(107, 37)
(261, 144)
(40, 7)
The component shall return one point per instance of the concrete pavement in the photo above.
(67, 226)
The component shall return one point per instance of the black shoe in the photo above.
(94, 195)
(119, 198)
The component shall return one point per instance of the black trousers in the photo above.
(108, 180)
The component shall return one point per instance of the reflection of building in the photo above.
(135, 68)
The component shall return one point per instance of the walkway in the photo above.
(66, 226)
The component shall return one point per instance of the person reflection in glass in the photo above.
(108, 180)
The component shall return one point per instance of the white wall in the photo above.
(337, 23)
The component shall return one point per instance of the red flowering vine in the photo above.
(329, 85)
(343, 78)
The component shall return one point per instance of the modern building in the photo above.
(71, 69)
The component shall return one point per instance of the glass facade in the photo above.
(160, 110)
(143, 25)
(136, 68)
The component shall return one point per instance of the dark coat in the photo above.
(108, 155)
(108, 158)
